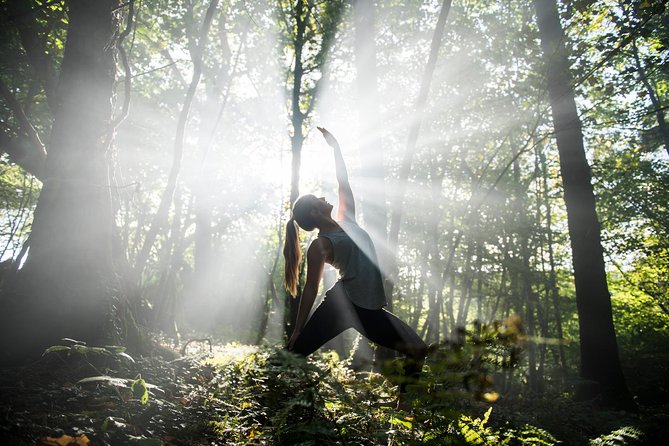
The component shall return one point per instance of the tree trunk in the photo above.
(68, 280)
(600, 364)
(551, 281)
(296, 142)
(161, 216)
(418, 309)
(405, 167)
(272, 296)
(303, 98)
(218, 81)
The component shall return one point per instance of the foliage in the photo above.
(625, 436)
(245, 395)
(642, 324)
(18, 193)
(475, 432)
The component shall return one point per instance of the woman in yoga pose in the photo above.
(357, 298)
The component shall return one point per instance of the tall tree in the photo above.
(309, 31)
(68, 279)
(421, 103)
(600, 364)
(161, 216)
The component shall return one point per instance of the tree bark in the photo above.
(296, 142)
(68, 280)
(600, 364)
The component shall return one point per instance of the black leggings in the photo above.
(337, 313)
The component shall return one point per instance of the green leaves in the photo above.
(81, 348)
(139, 389)
(625, 436)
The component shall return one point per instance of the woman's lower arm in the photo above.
(306, 302)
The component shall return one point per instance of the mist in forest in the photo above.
(237, 153)
(452, 118)
(509, 159)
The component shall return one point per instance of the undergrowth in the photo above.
(267, 396)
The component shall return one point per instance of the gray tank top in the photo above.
(355, 259)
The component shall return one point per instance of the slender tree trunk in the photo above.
(166, 300)
(600, 364)
(302, 95)
(479, 282)
(161, 216)
(466, 286)
(432, 330)
(272, 296)
(418, 309)
(545, 333)
(552, 290)
(218, 82)
(405, 167)
(501, 294)
(450, 303)
(296, 142)
(436, 284)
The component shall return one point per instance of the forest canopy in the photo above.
(510, 160)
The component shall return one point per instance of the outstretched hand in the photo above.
(329, 138)
(291, 342)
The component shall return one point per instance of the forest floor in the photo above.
(239, 395)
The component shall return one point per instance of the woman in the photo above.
(357, 299)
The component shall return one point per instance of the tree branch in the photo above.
(22, 152)
(160, 218)
(35, 48)
(20, 115)
(127, 81)
(27, 150)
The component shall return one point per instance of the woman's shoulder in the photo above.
(321, 247)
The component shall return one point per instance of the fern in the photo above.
(625, 436)
(475, 432)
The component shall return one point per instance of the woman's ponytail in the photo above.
(292, 254)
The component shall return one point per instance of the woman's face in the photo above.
(323, 207)
(310, 210)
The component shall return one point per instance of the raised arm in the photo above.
(346, 201)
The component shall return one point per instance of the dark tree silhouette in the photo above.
(68, 281)
(600, 364)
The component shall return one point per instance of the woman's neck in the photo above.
(329, 226)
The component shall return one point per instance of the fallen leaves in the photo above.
(64, 440)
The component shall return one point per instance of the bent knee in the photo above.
(417, 351)
(421, 350)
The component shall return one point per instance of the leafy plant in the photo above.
(625, 436)
(80, 348)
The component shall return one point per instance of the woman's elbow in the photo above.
(309, 289)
